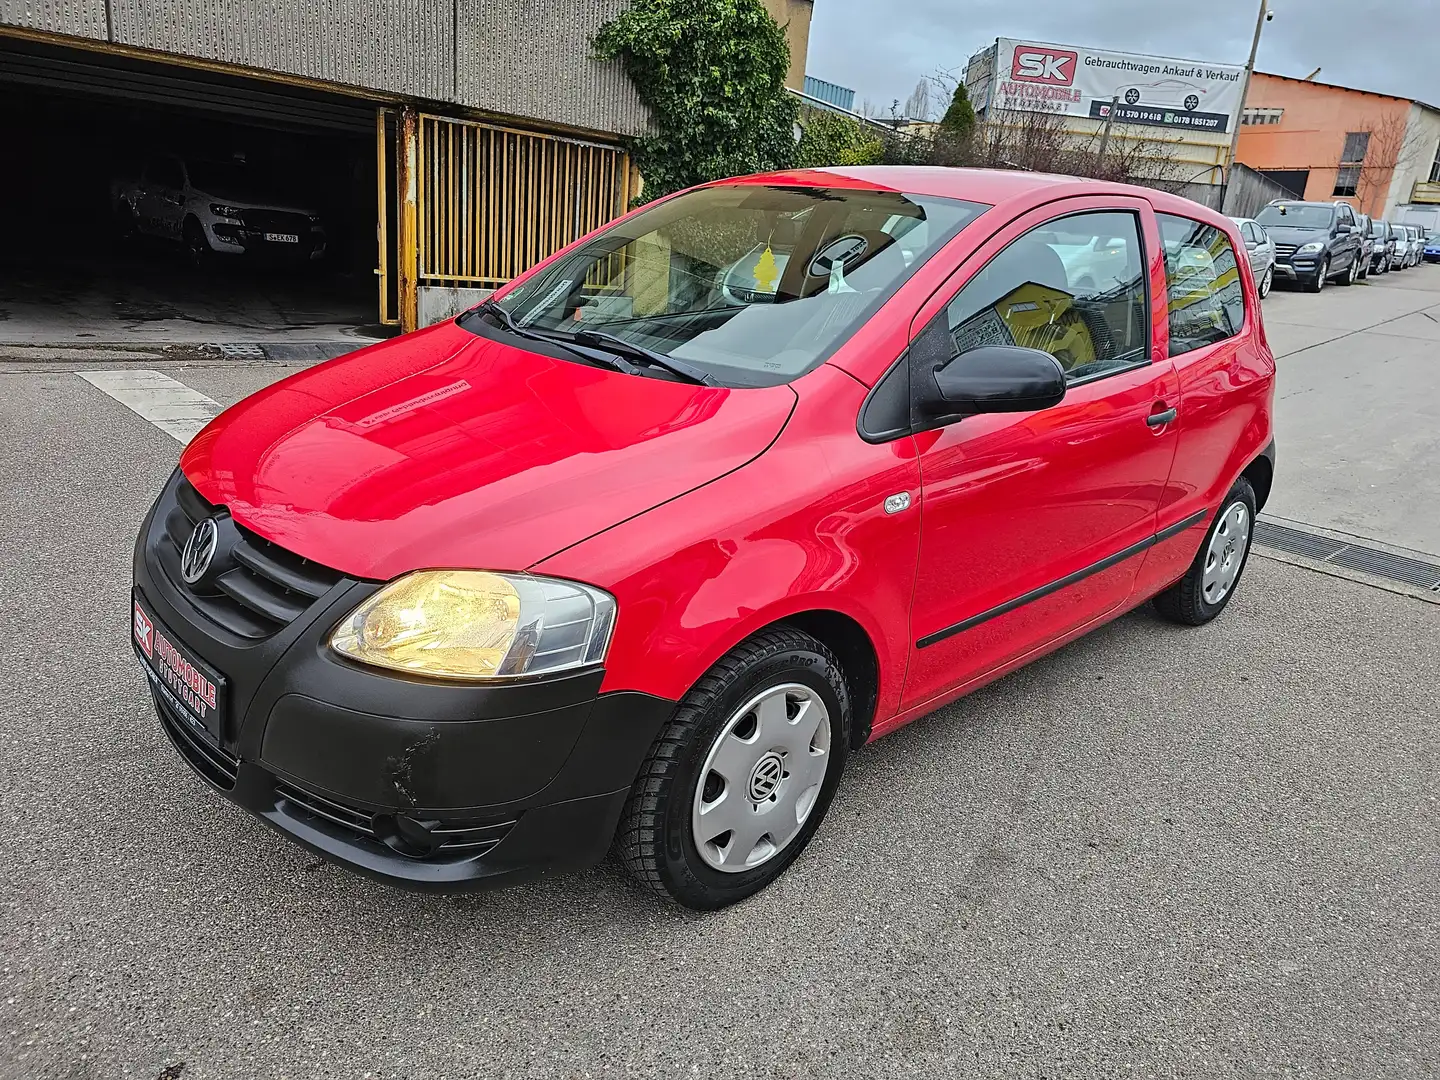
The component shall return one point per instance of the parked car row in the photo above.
(1314, 243)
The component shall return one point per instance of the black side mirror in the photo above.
(992, 379)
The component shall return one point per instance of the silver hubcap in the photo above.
(1265, 282)
(1226, 553)
(761, 778)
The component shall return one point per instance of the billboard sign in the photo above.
(1154, 90)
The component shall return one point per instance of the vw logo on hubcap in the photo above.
(199, 551)
(766, 777)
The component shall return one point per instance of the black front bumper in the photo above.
(420, 783)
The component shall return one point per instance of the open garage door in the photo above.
(159, 203)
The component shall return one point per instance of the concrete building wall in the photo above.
(794, 16)
(1417, 160)
(512, 57)
(1310, 135)
(400, 46)
(77, 18)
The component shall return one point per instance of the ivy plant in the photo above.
(833, 139)
(712, 73)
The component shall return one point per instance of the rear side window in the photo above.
(1202, 278)
(1074, 287)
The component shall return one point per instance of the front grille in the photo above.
(456, 840)
(267, 589)
(1284, 251)
(276, 221)
(210, 761)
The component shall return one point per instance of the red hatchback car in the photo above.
(638, 551)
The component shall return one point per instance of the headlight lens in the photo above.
(473, 624)
(221, 210)
(1311, 248)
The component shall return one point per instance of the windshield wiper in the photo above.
(600, 358)
(685, 370)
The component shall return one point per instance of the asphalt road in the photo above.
(1160, 852)
(1357, 411)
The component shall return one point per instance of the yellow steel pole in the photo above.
(409, 256)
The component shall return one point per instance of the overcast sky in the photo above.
(881, 47)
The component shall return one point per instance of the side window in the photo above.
(1202, 278)
(1250, 232)
(166, 173)
(1347, 216)
(1073, 287)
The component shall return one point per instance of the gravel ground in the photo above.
(1160, 852)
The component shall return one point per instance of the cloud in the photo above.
(882, 50)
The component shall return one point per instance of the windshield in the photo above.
(755, 284)
(1377, 228)
(1296, 217)
(236, 180)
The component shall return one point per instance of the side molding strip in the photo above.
(1064, 582)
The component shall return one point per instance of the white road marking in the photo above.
(171, 406)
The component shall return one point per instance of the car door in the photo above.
(1349, 245)
(1253, 248)
(168, 192)
(1028, 519)
(1216, 343)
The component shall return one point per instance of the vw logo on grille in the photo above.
(199, 551)
(766, 777)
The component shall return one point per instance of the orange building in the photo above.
(1379, 153)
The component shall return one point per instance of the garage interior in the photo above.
(77, 122)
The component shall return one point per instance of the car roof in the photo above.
(989, 186)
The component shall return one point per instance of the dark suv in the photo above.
(1314, 242)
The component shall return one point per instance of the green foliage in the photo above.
(959, 118)
(833, 139)
(713, 75)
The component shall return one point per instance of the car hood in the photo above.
(446, 449)
(1288, 234)
(252, 201)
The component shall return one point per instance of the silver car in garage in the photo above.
(1261, 250)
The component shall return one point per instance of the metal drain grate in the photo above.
(1351, 556)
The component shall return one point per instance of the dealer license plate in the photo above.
(282, 238)
(192, 688)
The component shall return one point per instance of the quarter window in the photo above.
(1074, 287)
(1202, 278)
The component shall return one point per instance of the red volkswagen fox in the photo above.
(638, 551)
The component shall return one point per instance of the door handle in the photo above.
(1159, 419)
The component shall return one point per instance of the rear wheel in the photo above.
(1364, 269)
(1214, 575)
(1267, 280)
(740, 778)
(1348, 277)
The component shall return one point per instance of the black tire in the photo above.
(1351, 272)
(1267, 282)
(197, 249)
(1184, 602)
(1364, 270)
(1317, 283)
(655, 839)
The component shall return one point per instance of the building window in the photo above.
(1435, 168)
(1352, 161)
(1261, 116)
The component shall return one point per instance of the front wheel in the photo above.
(1318, 281)
(1214, 575)
(740, 778)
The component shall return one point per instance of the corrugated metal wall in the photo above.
(519, 58)
(533, 59)
(78, 18)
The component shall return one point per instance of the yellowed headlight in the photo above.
(473, 624)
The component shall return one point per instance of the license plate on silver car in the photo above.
(282, 238)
